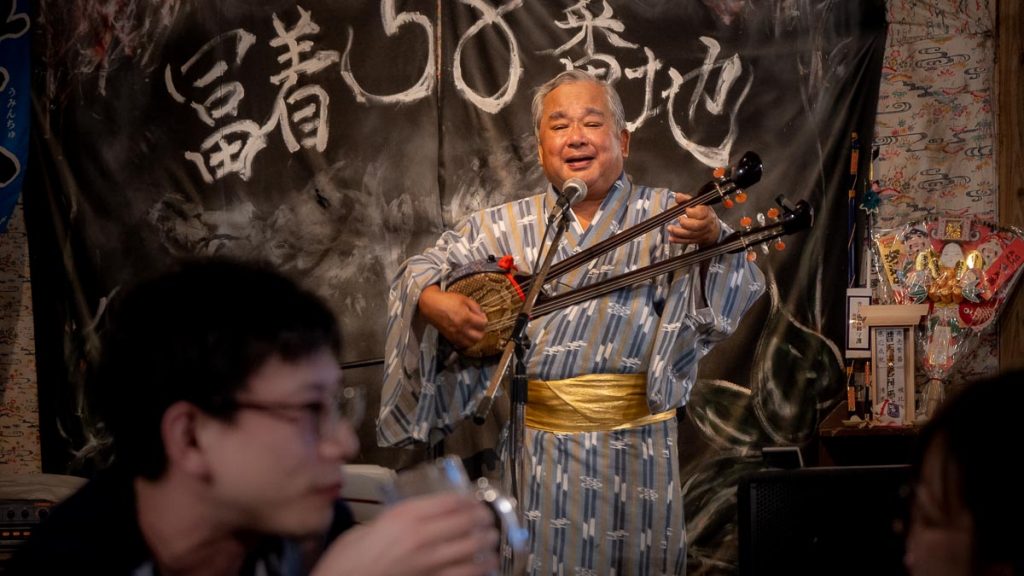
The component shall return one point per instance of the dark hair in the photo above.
(977, 431)
(197, 334)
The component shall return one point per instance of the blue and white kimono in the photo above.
(596, 502)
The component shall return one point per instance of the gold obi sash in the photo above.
(590, 403)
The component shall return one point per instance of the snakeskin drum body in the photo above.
(491, 284)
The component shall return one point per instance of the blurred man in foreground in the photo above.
(219, 385)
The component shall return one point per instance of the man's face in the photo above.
(577, 138)
(916, 244)
(276, 471)
(989, 253)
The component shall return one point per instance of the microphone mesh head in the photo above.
(575, 190)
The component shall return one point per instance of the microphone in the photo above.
(574, 190)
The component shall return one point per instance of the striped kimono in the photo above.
(595, 502)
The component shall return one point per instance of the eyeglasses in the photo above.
(346, 404)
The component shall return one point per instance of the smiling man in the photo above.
(219, 385)
(606, 376)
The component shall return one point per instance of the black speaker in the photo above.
(834, 521)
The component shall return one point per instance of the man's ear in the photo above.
(178, 428)
(624, 142)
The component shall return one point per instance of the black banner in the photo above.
(337, 138)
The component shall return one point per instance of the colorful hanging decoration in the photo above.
(964, 269)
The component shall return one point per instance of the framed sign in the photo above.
(892, 359)
(858, 340)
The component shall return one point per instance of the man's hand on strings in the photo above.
(698, 226)
(458, 318)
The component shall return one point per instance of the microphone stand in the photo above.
(516, 347)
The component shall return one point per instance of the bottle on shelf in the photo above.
(867, 391)
(860, 385)
(851, 393)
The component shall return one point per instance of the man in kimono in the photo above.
(602, 492)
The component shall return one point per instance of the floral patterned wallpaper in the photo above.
(19, 413)
(934, 133)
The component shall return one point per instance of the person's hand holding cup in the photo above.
(448, 476)
(435, 524)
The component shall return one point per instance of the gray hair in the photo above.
(572, 77)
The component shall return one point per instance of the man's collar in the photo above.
(619, 184)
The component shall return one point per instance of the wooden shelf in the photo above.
(834, 425)
(841, 444)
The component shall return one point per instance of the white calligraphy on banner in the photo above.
(608, 67)
(301, 110)
(490, 16)
(392, 22)
(298, 108)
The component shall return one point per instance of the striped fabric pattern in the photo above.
(600, 502)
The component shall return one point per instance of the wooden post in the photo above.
(1010, 160)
